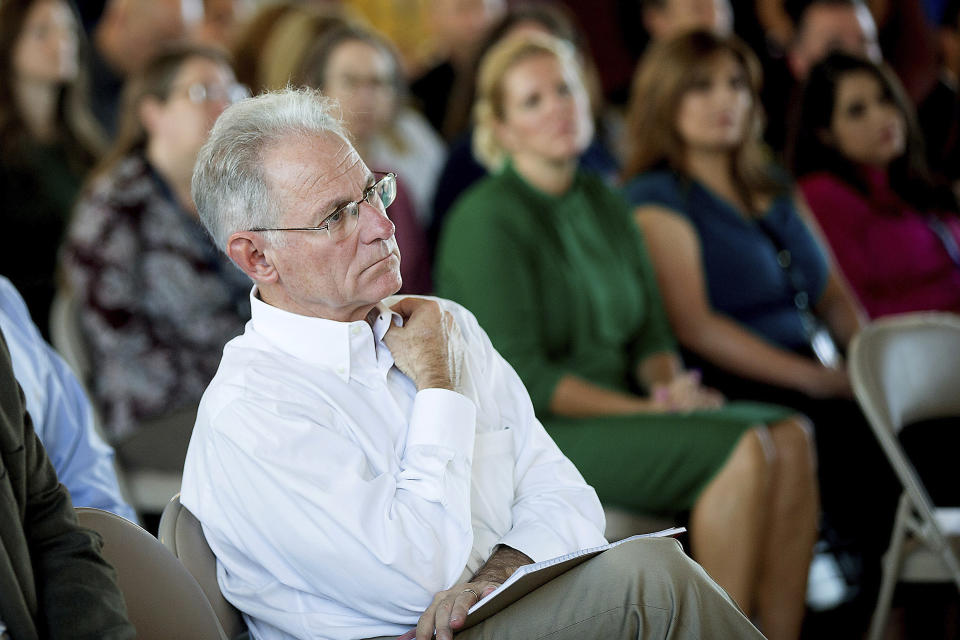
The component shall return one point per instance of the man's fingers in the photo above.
(409, 635)
(425, 625)
(406, 306)
(442, 619)
(465, 600)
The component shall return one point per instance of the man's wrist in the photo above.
(502, 563)
(436, 381)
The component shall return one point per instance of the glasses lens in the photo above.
(387, 189)
(341, 224)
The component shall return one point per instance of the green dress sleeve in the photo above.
(485, 261)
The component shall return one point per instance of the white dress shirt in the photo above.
(338, 499)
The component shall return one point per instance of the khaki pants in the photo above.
(649, 589)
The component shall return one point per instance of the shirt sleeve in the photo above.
(485, 266)
(84, 462)
(61, 412)
(324, 518)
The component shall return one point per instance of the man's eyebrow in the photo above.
(331, 206)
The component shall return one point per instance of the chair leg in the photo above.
(891, 570)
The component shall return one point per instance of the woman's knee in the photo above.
(753, 456)
(793, 446)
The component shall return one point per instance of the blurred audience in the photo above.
(858, 154)
(48, 140)
(939, 113)
(459, 26)
(156, 300)
(665, 19)
(750, 294)
(549, 260)
(251, 38)
(62, 416)
(822, 26)
(125, 37)
(407, 25)
(362, 72)
(280, 55)
(463, 168)
(221, 22)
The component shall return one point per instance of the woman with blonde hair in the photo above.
(753, 298)
(551, 263)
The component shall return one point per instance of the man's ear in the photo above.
(249, 251)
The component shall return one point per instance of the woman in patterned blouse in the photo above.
(157, 301)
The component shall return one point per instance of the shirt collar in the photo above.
(345, 348)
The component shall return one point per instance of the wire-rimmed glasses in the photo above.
(343, 221)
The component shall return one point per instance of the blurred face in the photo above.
(360, 76)
(178, 126)
(829, 28)
(144, 26)
(714, 112)
(546, 115)
(47, 49)
(220, 20)
(317, 276)
(867, 126)
(679, 16)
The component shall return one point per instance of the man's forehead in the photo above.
(327, 155)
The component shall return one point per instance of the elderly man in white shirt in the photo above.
(370, 466)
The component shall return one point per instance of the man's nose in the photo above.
(374, 223)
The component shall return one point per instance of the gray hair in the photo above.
(229, 186)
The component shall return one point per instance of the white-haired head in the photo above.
(229, 186)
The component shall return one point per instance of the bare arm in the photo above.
(675, 250)
(838, 307)
(671, 389)
(575, 397)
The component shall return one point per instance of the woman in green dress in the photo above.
(550, 261)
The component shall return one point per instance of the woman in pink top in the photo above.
(858, 156)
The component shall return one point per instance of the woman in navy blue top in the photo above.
(751, 296)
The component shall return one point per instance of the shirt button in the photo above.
(341, 370)
(356, 331)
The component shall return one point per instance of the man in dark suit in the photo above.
(53, 581)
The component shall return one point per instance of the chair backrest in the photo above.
(181, 533)
(163, 599)
(905, 369)
(66, 335)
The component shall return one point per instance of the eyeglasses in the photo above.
(342, 222)
(200, 93)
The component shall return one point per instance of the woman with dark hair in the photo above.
(361, 70)
(549, 259)
(48, 140)
(859, 158)
(157, 301)
(752, 297)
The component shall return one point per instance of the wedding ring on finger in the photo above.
(475, 594)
